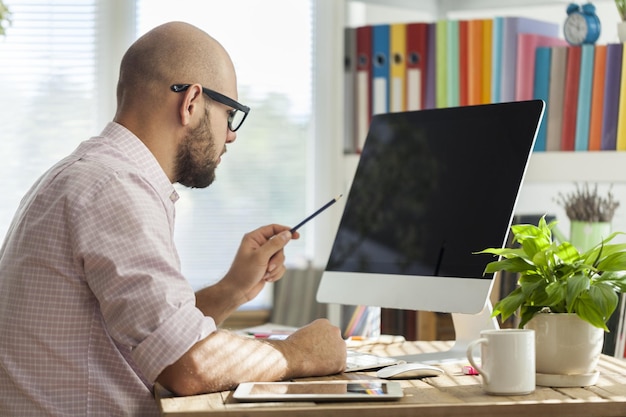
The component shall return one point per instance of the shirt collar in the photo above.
(141, 157)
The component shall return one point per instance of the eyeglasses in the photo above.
(235, 116)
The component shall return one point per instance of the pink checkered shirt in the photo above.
(93, 305)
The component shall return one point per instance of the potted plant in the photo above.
(590, 215)
(557, 282)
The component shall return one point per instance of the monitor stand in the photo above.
(467, 328)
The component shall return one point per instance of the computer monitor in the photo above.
(432, 188)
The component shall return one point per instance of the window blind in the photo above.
(263, 177)
(48, 80)
(52, 94)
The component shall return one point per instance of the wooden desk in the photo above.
(452, 394)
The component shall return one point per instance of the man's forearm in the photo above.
(217, 302)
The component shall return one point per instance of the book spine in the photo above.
(570, 98)
(612, 81)
(597, 102)
(581, 139)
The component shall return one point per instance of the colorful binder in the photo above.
(541, 91)
(431, 67)
(511, 28)
(527, 44)
(380, 69)
(612, 79)
(496, 58)
(485, 82)
(570, 98)
(597, 99)
(349, 83)
(441, 63)
(452, 63)
(363, 88)
(416, 54)
(463, 63)
(621, 114)
(554, 125)
(583, 111)
(475, 61)
(397, 64)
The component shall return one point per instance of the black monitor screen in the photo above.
(434, 186)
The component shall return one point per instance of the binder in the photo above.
(349, 50)
(441, 64)
(496, 59)
(554, 125)
(475, 61)
(485, 82)
(570, 98)
(583, 111)
(416, 44)
(431, 67)
(597, 99)
(527, 44)
(614, 52)
(621, 114)
(463, 62)
(363, 93)
(380, 69)
(541, 91)
(397, 63)
(452, 63)
(511, 28)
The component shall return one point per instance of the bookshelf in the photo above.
(545, 167)
(550, 170)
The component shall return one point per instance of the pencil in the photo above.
(321, 209)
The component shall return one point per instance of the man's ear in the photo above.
(191, 103)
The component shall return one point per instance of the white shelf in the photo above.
(577, 167)
(546, 167)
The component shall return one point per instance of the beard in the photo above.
(195, 163)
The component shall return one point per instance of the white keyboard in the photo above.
(360, 361)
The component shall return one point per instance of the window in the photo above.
(50, 60)
(47, 70)
(262, 178)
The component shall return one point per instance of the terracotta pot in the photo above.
(565, 344)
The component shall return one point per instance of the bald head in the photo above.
(174, 52)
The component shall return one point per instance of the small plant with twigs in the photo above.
(586, 205)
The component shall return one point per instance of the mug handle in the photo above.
(470, 357)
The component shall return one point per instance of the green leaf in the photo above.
(603, 296)
(613, 262)
(586, 309)
(615, 278)
(511, 265)
(509, 304)
(576, 284)
(555, 294)
(568, 253)
(504, 252)
(527, 313)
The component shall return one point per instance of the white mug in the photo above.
(507, 361)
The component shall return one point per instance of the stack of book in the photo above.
(421, 65)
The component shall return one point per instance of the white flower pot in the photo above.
(567, 349)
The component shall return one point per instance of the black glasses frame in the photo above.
(220, 98)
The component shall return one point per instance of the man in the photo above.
(93, 307)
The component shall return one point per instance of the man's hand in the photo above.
(260, 259)
(223, 360)
(314, 350)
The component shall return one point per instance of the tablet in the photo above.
(349, 390)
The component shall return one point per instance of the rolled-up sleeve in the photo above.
(124, 235)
